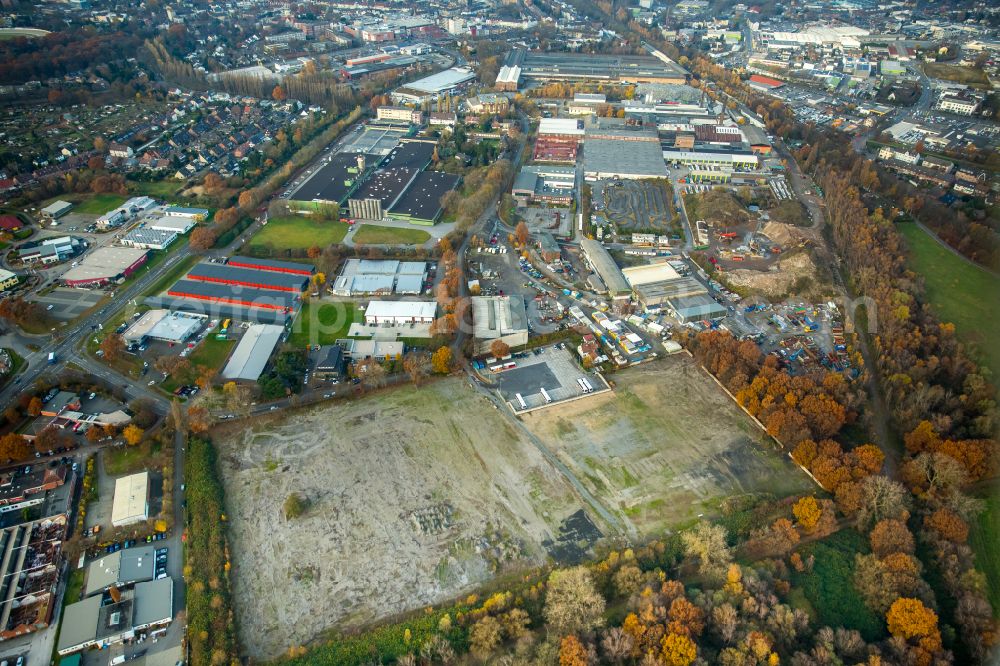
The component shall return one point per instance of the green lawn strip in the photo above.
(984, 537)
(371, 234)
(323, 322)
(99, 204)
(74, 586)
(959, 292)
(295, 232)
(829, 588)
(171, 276)
(159, 189)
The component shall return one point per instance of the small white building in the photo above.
(400, 313)
(131, 501)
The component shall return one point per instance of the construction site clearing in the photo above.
(416, 496)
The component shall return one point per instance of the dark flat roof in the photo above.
(386, 185)
(598, 65)
(328, 183)
(422, 199)
(272, 264)
(266, 279)
(220, 310)
(247, 295)
(413, 155)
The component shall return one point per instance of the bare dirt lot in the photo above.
(666, 446)
(414, 496)
(640, 205)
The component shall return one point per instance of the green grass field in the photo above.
(829, 588)
(984, 537)
(294, 232)
(969, 76)
(959, 292)
(210, 354)
(322, 323)
(370, 234)
(99, 204)
(159, 189)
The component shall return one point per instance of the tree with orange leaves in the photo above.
(948, 524)
(891, 536)
(807, 512)
(677, 650)
(869, 458)
(571, 652)
(685, 618)
(909, 619)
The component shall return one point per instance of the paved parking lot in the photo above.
(68, 304)
(554, 370)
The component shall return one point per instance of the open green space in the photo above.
(960, 292)
(984, 537)
(969, 76)
(209, 355)
(121, 460)
(322, 323)
(829, 588)
(99, 204)
(160, 189)
(296, 232)
(371, 234)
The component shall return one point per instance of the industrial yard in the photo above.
(665, 446)
(413, 498)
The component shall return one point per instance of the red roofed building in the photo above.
(765, 82)
(11, 223)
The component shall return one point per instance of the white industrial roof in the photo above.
(560, 126)
(144, 325)
(104, 263)
(251, 355)
(177, 224)
(442, 81)
(638, 275)
(406, 309)
(131, 503)
(177, 327)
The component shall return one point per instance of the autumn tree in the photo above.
(199, 420)
(572, 652)
(247, 200)
(891, 536)
(34, 406)
(521, 234)
(132, 434)
(910, 619)
(441, 360)
(278, 94)
(415, 365)
(947, 525)
(499, 349)
(202, 238)
(212, 182)
(113, 347)
(807, 512)
(707, 543)
(13, 447)
(572, 603)
(677, 650)
(484, 636)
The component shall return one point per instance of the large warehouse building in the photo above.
(623, 154)
(521, 67)
(400, 313)
(368, 277)
(498, 318)
(431, 87)
(96, 622)
(603, 264)
(229, 274)
(252, 353)
(105, 265)
(290, 267)
(401, 190)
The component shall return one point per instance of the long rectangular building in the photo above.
(247, 277)
(291, 267)
(521, 67)
(604, 265)
(252, 353)
(233, 295)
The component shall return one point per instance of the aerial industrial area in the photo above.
(656, 332)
